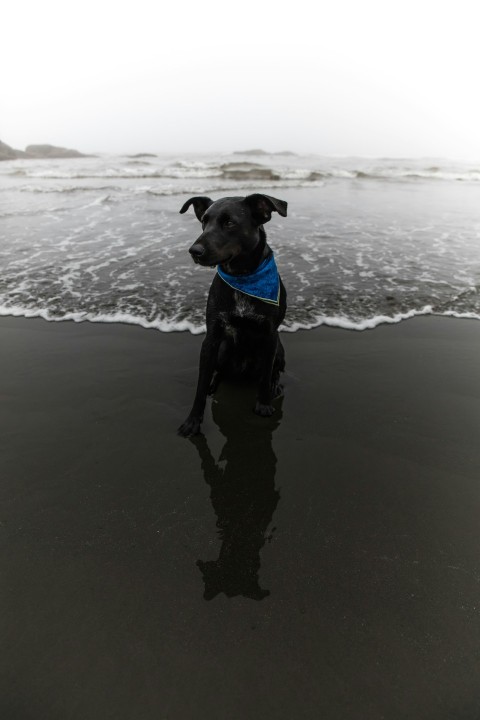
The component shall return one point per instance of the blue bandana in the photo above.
(263, 283)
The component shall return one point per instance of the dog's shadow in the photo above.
(243, 493)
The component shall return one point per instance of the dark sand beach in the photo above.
(320, 564)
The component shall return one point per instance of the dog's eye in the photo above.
(229, 224)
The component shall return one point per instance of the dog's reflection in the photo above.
(243, 495)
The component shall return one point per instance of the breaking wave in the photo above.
(366, 242)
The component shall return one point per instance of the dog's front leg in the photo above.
(208, 361)
(264, 405)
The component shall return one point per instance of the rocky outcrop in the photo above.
(259, 151)
(38, 152)
(51, 151)
(254, 151)
(8, 153)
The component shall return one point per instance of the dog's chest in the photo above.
(243, 314)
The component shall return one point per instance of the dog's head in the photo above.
(232, 227)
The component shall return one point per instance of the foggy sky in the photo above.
(364, 78)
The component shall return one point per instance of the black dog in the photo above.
(246, 303)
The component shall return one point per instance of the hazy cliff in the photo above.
(37, 151)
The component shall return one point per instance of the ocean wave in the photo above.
(164, 190)
(223, 187)
(223, 170)
(66, 189)
(121, 174)
(109, 318)
(389, 174)
(368, 323)
(177, 325)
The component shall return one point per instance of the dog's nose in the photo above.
(196, 250)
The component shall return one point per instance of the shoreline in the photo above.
(166, 326)
(322, 562)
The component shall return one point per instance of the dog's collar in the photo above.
(263, 283)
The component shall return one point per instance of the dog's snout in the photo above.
(197, 250)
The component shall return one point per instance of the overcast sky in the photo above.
(338, 77)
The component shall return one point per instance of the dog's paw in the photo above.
(264, 410)
(190, 427)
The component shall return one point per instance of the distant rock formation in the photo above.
(38, 152)
(8, 153)
(247, 171)
(142, 155)
(51, 151)
(255, 151)
(259, 151)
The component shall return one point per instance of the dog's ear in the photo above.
(200, 204)
(262, 206)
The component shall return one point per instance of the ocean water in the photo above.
(366, 241)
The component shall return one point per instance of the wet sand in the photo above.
(320, 564)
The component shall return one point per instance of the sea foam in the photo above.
(366, 242)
